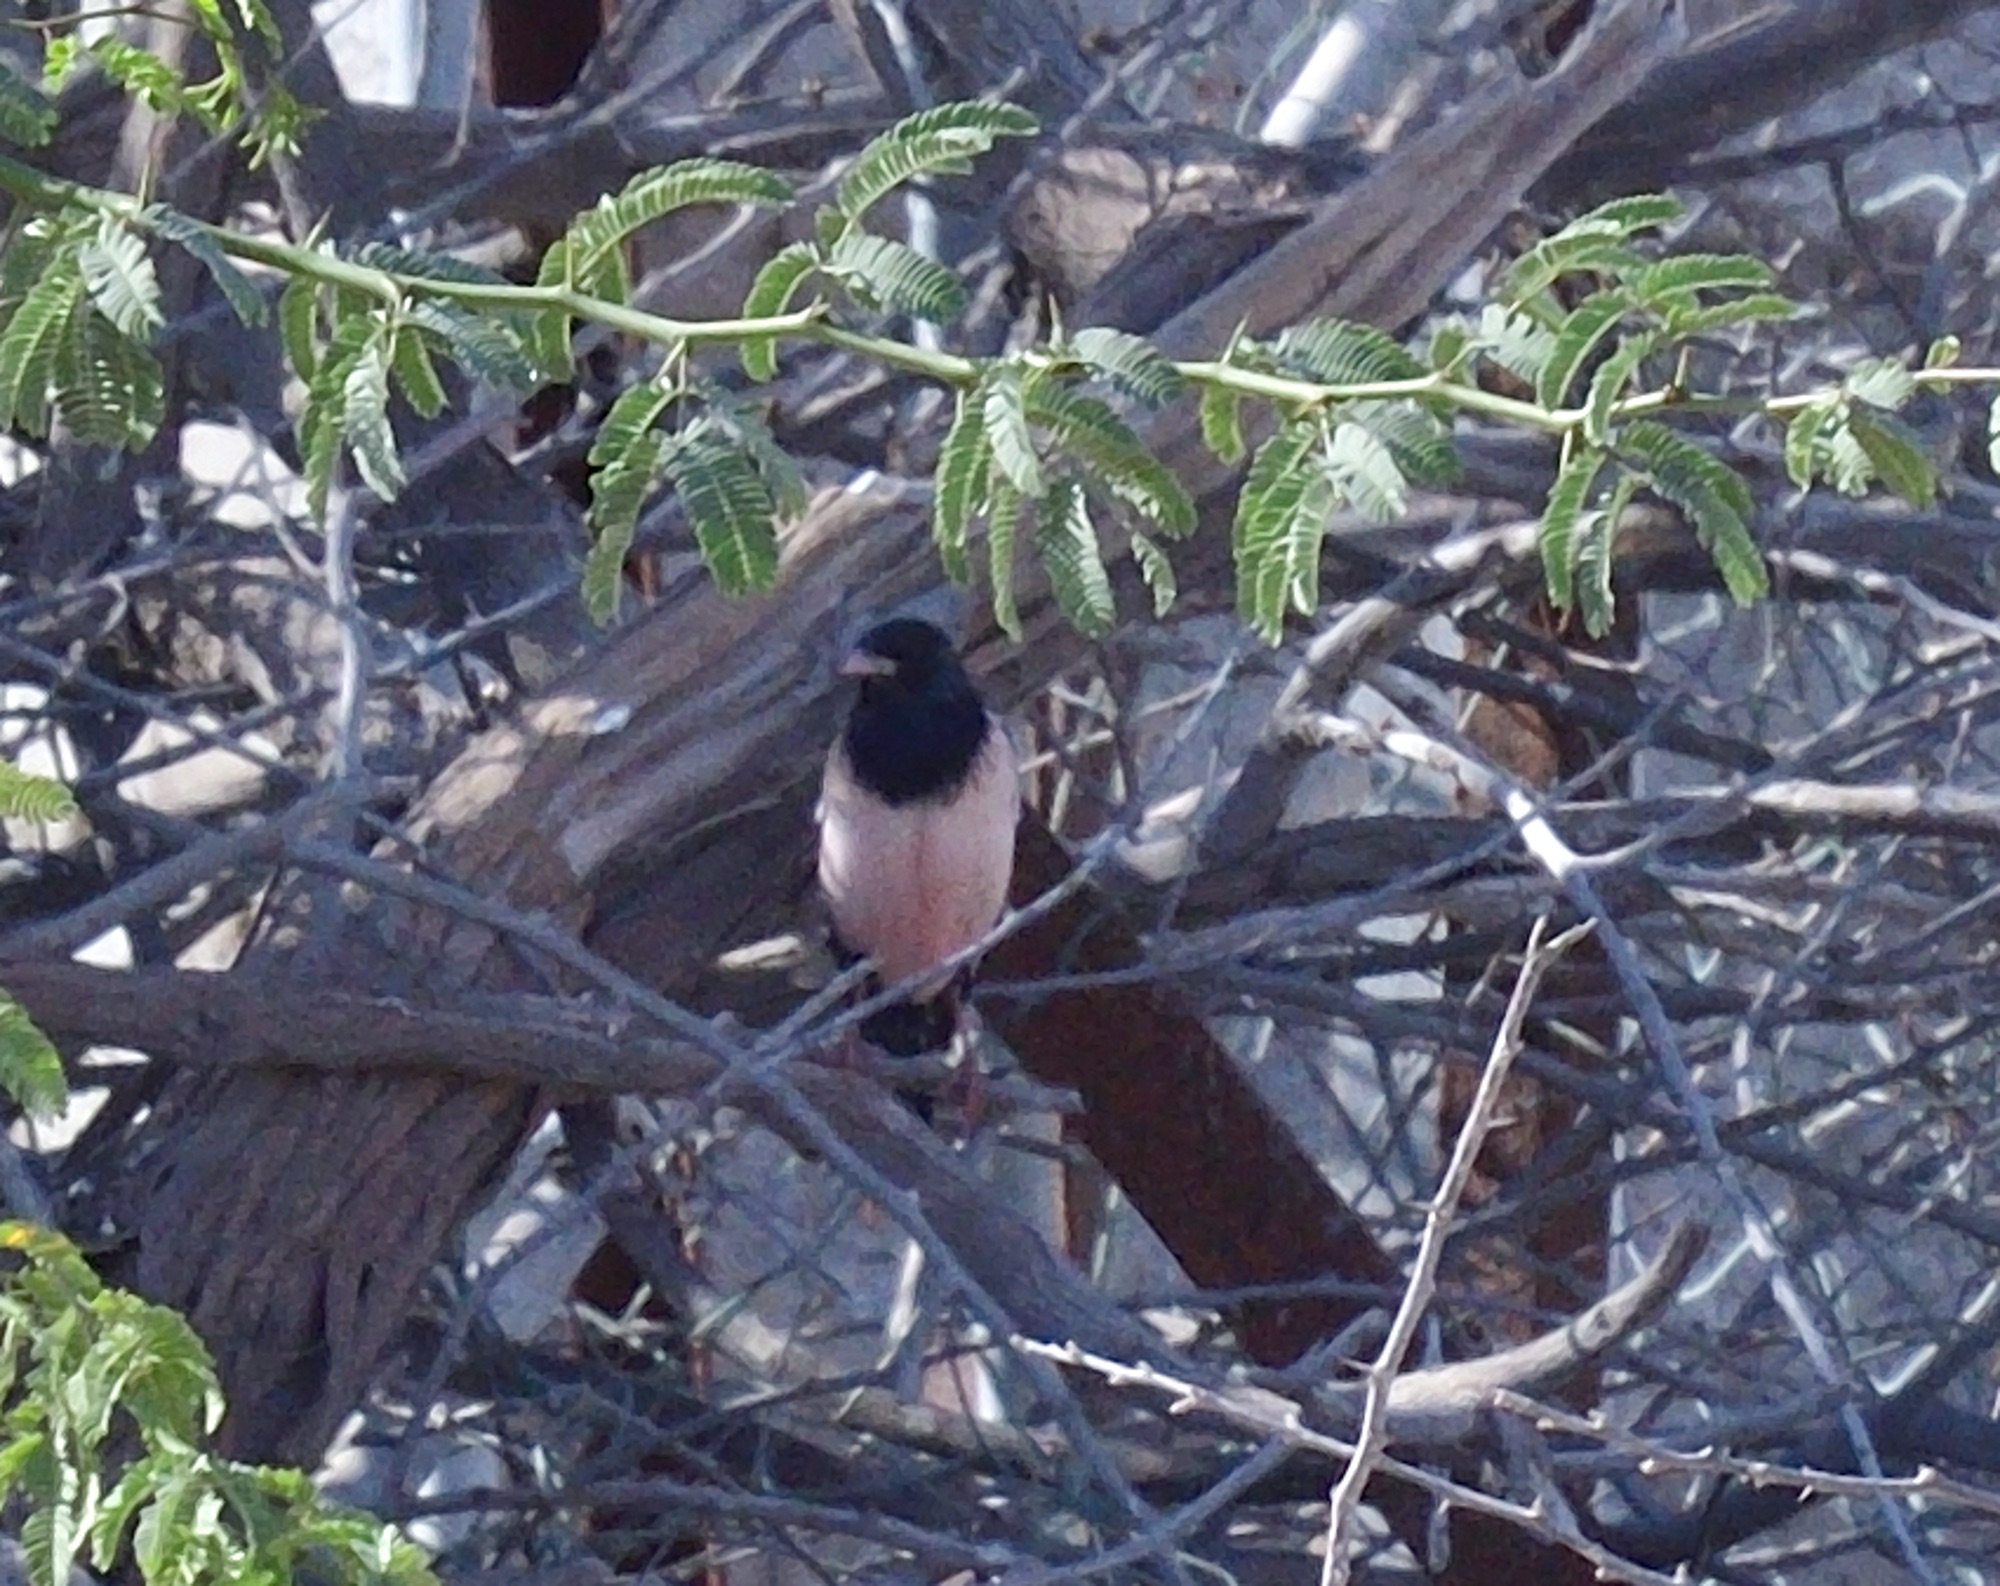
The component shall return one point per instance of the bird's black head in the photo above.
(917, 728)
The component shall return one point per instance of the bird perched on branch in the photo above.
(916, 827)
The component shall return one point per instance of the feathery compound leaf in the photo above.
(298, 325)
(1515, 342)
(1419, 442)
(416, 374)
(1339, 352)
(1003, 523)
(771, 294)
(1597, 544)
(1268, 539)
(1134, 366)
(426, 266)
(121, 279)
(893, 275)
(1627, 217)
(482, 346)
(29, 344)
(108, 387)
(1881, 382)
(365, 415)
(1222, 423)
(1848, 466)
(960, 492)
(733, 515)
(1897, 453)
(617, 494)
(1089, 431)
(1067, 542)
(1007, 433)
(595, 237)
(1577, 338)
(1560, 520)
(631, 417)
(24, 796)
(27, 115)
(1685, 274)
(1157, 571)
(1712, 494)
(240, 291)
(1365, 472)
(938, 141)
(1807, 438)
(1578, 248)
(31, 1072)
(1609, 382)
(1697, 319)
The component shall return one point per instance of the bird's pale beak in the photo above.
(861, 664)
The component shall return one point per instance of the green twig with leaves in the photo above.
(1594, 325)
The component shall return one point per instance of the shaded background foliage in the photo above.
(457, 1143)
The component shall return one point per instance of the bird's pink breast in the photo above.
(911, 885)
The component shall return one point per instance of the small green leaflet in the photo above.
(27, 797)
(1089, 431)
(1365, 473)
(1129, 363)
(1003, 523)
(771, 294)
(1576, 339)
(1897, 454)
(1067, 542)
(892, 275)
(960, 492)
(1157, 571)
(1713, 496)
(1560, 520)
(365, 416)
(1808, 436)
(1882, 382)
(935, 142)
(1340, 352)
(121, 279)
(109, 387)
(1597, 544)
(1007, 432)
(27, 115)
(1222, 423)
(734, 518)
(1271, 538)
(31, 1071)
(195, 239)
(1515, 342)
(1609, 381)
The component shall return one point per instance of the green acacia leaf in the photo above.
(1091, 432)
(25, 796)
(486, 348)
(1003, 524)
(618, 492)
(365, 417)
(1698, 319)
(1714, 497)
(1561, 518)
(933, 142)
(1420, 444)
(1881, 382)
(31, 1070)
(1897, 453)
(734, 518)
(1515, 342)
(1610, 380)
(1340, 352)
(1597, 544)
(193, 239)
(109, 388)
(591, 256)
(771, 294)
(1364, 471)
(1577, 338)
(298, 325)
(892, 275)
(1158, 572)
(29, 345)
(1627, 217)
(960, 494)
(1663, 284)
(1270, 539)
(1004, 409)
(1130, 363)
(416, 375)
(1222, 423)
(1808, 436)
(1066, 540)
(121, 279)
(27, 115)
(1595, 248)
